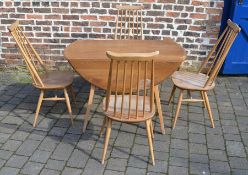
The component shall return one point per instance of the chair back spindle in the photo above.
(31, 58)
(130, 75)
(129, 22)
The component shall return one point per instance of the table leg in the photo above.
(90, 100)
(158, 104)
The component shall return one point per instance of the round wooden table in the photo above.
(89, 60)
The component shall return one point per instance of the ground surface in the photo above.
(54, 147)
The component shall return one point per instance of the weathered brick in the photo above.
(70, 17)
(172, 14)
(98, 11)
(84, 4)
(42, 10)
(198, 16)
(162, 18)
(107, 18)
(79, 11)
(155, 26)
(98, 24)
(155, 13)
(88, 17)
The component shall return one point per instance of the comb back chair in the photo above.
(204, 79)
(124, 101)
(129, 26)
(42, 78)
(132, 30)
(129, 22)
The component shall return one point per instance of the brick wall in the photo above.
(52, 25)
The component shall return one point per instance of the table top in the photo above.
(89, 60)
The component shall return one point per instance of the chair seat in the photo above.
(191, 81)
(56, 79)
(132, 117)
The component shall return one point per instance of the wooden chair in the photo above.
(132, 32)
(43, 79)
(124, 101)
(129, 25)
(129, 22)
(204, 79)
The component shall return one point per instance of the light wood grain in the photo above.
(109, 124)
(158, 104)
(204, 80)
(121, 104)
(90, 61)
(43, 78)
(129, 22)
(90, 101)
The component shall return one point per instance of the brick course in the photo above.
(52, 25)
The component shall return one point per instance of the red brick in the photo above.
(213, 11)
(76, 29)
(33, 16)
(197, 28)
(84, 4)
(54, 17)
(216, 18)
(166, 1)
(147, 1)
(60, 10)
(70, 17)
(107, 18)
(98, 23)
(172, 14)
(7, 10)
(200, 3)
(198, 16)
(220, 4)
(88, 17)
(74, 4)
(26, 4)
(155, 26)
(67, 29)
(98, 30)
(8, 3)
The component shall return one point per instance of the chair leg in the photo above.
(109, 123)
(73, 96)
(90, 100)
(148, 130)
(172, 93)
(180, 98)
(151, 125)
(204, 102)
(102, 127)
(38, 107)
(189, 94)
(67, 100)
(209, 109)
(158, 104)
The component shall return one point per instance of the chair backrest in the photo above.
(217, 55)
(129, 22)
(31, 57)
(130, 73)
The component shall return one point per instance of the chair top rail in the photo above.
(132, 56)
(129, 7)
